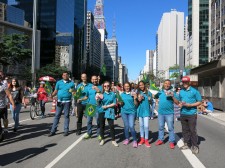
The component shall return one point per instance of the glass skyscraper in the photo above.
(203, 29)
(56, 18)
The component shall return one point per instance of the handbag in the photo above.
(110, 113)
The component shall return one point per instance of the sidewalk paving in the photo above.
(218, 116)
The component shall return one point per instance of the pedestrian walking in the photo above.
(190, 98)
(92, 91)
(5, 81)
(128, 111)
(143, 112)
(63, 89)
(42, 96)
(4, 93)
(107, 111)
(82, 101)
(166, 113)
(18, 97)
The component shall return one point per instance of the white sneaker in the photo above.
(115, 144)
(101, 142)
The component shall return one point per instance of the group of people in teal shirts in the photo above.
(136, 104)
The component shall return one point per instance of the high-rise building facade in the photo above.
(93, 45)
(57, 17)
(198, 29)
(111, 59)
(170, 37)
(217, 27)
(149, 61)
(101, 26)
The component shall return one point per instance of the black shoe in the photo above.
(51, 134)
(78, 132)
(15, 130)
(65, 134)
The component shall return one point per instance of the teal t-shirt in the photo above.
(108, 98)
(189, 96)
(144, 106)
(129, 107)
(91, 94)
(63, 87)
(84, 88)
(166, 103)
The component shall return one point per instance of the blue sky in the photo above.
(136, 26)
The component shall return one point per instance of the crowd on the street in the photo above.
(107, 101)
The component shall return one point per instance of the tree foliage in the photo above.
(176, 66)
(52, 70)
(175, 75)
(14, 49)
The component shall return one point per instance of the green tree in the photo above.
(52, 70)
(14, 49)
(175, 75)
(176, 66)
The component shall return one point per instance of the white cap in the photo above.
(42, 82)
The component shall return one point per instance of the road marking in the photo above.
(20, 121)
(193, 160)
(58, 158)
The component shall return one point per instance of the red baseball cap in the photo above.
(186, 79)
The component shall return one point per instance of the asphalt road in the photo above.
(31, 147)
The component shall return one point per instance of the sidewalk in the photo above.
(218, 116)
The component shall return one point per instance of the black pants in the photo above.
(189, 130)
(3, 115)
(80, 113)
(102, 126)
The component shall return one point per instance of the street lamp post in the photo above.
(33, 69)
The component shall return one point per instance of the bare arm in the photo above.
(193, 105)
(54, 93)
(10, 97)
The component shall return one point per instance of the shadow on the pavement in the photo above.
(200, 138)
(27, 132)
(22, 155)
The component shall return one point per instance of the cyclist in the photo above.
(42, 97)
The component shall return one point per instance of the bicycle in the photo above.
(34, 108)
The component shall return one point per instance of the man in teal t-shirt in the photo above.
(63, 89)
(82, 101)
(166, 113)
(190, 98)
(93, 89)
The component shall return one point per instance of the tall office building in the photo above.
(93, 46)
(170, 40)
(198, 29)
(217, 27)
(11, 14)
(55, 18)
(149, 61)
(100, 24)
(111, 59)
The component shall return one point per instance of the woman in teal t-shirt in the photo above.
(128, 111)
(143, 112)
(106, 111)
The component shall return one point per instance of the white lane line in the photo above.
(193, 160)
(21, 121)
(58, 158)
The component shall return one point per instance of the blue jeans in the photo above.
(128, 120)
(59, 108)
(143, 122)
(89, 124)
(42, 106)
(152, 109)
(169, 119)
(15, 114)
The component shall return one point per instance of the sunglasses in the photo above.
(106, 85)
